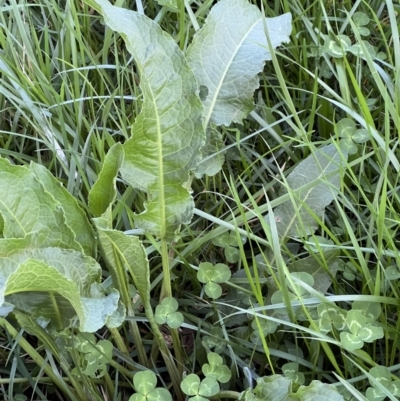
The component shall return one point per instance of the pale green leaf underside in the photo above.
(103, 192)
(227, 54)
(120, 248)
(75, 217)
(313, 183)
(41, 281)
(27, 207)
(168, 133)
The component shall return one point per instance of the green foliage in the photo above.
(229, 243)
(74, 102)
(312, 186)
(278, 388)
(45, 272)
(166, 313)
(212, 276)
(198, 390)
(382, 384)
(145, 386)
(216, 369)
(96, 356)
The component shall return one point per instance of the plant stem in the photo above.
(167, 292)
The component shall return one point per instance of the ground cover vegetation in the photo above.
(198, 203)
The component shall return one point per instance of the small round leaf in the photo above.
(213, 290)
(145, 382)
(190, 384)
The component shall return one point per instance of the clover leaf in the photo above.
(359, 331)
(382, 375)
(145, 385)
(166, 313)
(262, 327)
(347, 130)
(215, 340)
(360, 20)
(330, 315)
(229, 242)
(192, 386)
(291, 371)
(95, 355)
(211, 276)
(216, 369)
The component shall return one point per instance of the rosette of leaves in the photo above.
(167, 313)
(382, 384)
(229, 242)
(145, 385)
(212, 276)
(96, 356)
(199, 390)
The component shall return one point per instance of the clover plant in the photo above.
(359, 330)
(96, 355)
(212, 276)
(145, 385)
(382, 384)
(198, 389)
(229, 243)
(166, 313)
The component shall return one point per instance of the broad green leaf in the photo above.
(168, 133)
(212, 155)
(103, 192)
(227, 54)
(274, 387)
(75, 217)
(121, 250)
(47, 282)
(278, 388)
(313, 184)
(318, 391)
(26, 207)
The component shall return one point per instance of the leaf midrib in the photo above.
(208, 116)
